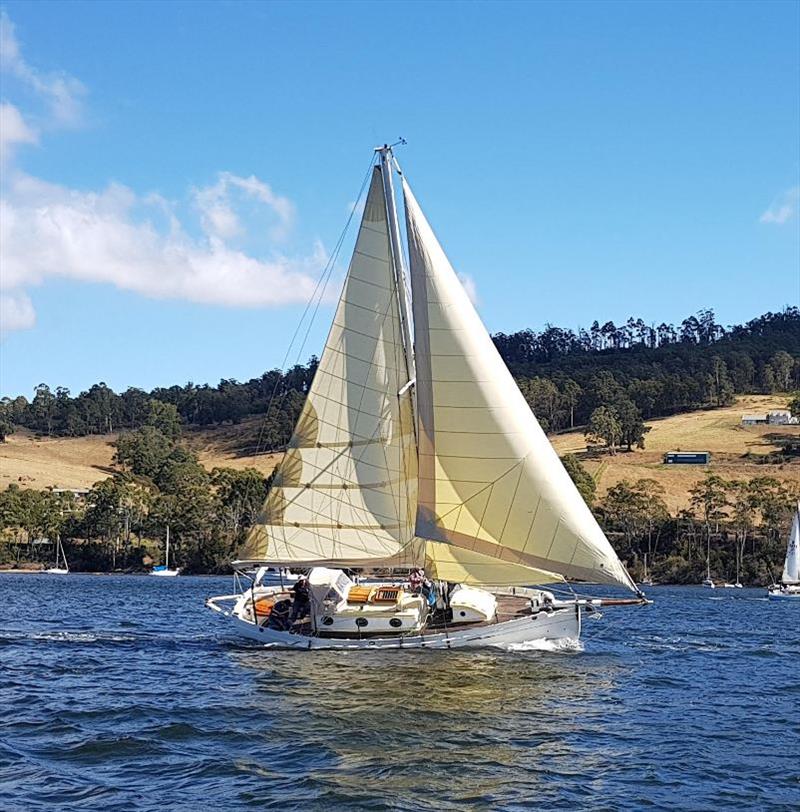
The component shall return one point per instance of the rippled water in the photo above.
(124, 693)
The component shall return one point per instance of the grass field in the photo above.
(81, 461)
(716, 430)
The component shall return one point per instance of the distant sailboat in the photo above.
(789, 587)
(61, 556)
(163, 570)
(708, 582)
(646, 579)
(416, 451)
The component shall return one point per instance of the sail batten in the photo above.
(489, 480)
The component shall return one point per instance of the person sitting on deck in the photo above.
(420, 585)
(301, 600)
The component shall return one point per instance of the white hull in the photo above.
(165, 573)
(559, 625)
(784, 595)
(56, 571)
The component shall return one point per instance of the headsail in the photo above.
(791, 567)
(345, 491)
(489, 480)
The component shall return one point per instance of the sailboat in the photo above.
(789, 587)
(61, 556)
(163, 570)
(646, 579)
(415, 452)
(709, 581)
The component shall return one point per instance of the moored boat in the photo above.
(789, 587)
(164, 570)
(416, 455)
(61, 567)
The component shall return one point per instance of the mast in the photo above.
(398, 264)
(166, 557)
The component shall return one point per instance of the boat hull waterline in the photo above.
(783, 595)
(561, 626)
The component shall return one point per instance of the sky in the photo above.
(175, 175)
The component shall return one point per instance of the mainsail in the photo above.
(791, 567)
(345, 491)
(489, 480)
(476, 493)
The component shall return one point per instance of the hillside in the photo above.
(716, 430)
(78, 462)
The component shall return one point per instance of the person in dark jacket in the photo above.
(301, 600)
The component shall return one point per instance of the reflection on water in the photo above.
(121, 693)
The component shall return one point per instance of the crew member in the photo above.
(300, 600)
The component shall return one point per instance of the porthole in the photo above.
(462, 613)
(327, 620)
(395, 622)
(361, 621)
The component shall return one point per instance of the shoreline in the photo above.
(228, 575)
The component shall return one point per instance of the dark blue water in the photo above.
(122, 693)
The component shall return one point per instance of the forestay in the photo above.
(345, 491)
(489, 480)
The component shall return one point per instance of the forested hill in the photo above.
(564, 375)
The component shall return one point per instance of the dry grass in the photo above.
(81, 461)
(718, 431)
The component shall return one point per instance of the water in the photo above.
(122, 693)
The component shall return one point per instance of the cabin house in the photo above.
(781, 417)
(777, 417)
(687, 458)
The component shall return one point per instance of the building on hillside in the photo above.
(753, 419)
(687, 458)
(781, 417)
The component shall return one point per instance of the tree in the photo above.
(43, 409)
(570, 395)
(782, 365)
(632, 427)
(583, 480)
(794, 405)
(637, 509)
(709, 499)
(720, 386)
(144, 452)
(165, 418)
(604, 426)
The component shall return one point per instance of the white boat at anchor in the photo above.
(416, 449)
(60, 567)
(164, 570)
(789, 587)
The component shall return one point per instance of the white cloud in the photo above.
(215, 204)
(470, 287)
(49, 231)
(62, 93)
(783, 208)
(13, 130)
(16, 312)
(118, 237)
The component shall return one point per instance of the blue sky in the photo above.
(174, 174)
